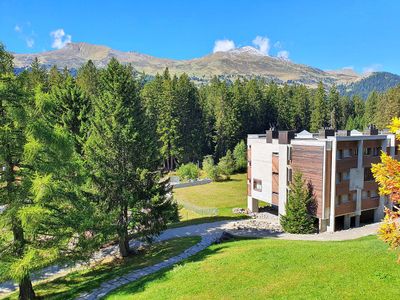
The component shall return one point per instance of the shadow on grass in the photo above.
(202, 220)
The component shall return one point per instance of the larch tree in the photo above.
(387, 174)
(44, 218)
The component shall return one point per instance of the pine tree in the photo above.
(301, 105)
(371, 108)
(123, 159)
(318, 113)
(334, 108)
(73, 110)
(240, 155)
(55, 77)
(298, 218)
(226, 165)
(87, 79)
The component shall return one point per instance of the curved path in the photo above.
(209, 233)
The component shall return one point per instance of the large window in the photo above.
(368, 174)
(257, 185)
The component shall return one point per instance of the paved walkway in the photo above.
(209, 233)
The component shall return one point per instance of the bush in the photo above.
(299, 207)
(210, 168)
(240, 155)
(188, 171)
(226, 165)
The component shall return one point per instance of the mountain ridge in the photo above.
(245, 62)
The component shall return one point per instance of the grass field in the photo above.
(277, 269)
(75, 283)
(223, 195)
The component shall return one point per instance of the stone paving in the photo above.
(115, 283)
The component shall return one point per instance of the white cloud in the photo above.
(223, 45)
(283, 54)
(262, 43)
(372, 68)
(18, 28)
(30, 42)
(60, 39)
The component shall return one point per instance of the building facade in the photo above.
(337, 165)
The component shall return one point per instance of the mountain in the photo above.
(245, 62)
(377, 81)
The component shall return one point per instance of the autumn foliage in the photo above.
(387, 174)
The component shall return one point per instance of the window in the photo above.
(339, 154)
(338, 177)
(289, 175)
(289, 154)
(374, 193)
(368, 174)
(354, 196)
(367, 151)
(355, 152)
(346, 153)
(257, 185)
(364, 195)
(344, 198)
(377, 151)
(337, 200)
(346, 176)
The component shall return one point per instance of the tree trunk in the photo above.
(26, 291)
(123, 239)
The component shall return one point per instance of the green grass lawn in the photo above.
(223, 195)
(75, 283)
(277, 269)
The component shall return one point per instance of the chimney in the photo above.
(371, 130)
(343, 133)
(271, 134)
(286, 136)
(325, 132)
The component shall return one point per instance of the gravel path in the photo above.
(208, 232)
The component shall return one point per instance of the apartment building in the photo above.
(337, 164)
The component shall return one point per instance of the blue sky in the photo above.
(363, 35)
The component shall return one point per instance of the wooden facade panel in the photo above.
(275, 199)
(275, 183)
(309, 161)
(368, 160)
(370, 185)
(275, 163)
(248, 172)
(346, 164)
(372, 143)
(345, 208)
(249, 188)
(328, 176)
(370, 203)
(342, 188)
(342, 145)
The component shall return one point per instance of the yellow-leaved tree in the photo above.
(387, 175)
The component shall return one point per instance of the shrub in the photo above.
(240, 155)
(210, 168)
(188, 171)
(226, 164)
(299, 207)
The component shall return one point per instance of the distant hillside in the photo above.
(245, 62)
(378, 81)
